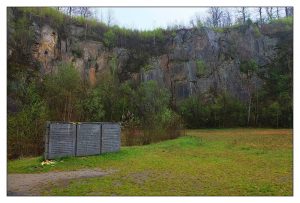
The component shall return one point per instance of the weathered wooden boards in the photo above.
(88, 139)
(110, 138)
(81, 139)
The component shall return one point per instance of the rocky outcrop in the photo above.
(194, 61)
(221, 54)
(44, 49)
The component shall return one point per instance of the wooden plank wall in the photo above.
(81, 139)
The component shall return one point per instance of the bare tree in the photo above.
(215, 15)
(244, 14)
(192, 24)
(289, 11)
(270, 13)
(286, 11)
(226, 18)
(196, 21)
(85, 12)
(260, 15)
(277, 13)
(69, 10)
(109, 17)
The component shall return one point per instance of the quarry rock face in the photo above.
(193, 61)
(221, 54)
(44, 49)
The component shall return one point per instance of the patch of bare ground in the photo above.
(33, 184)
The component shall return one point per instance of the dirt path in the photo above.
(31, 184)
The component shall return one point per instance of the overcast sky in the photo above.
(148, 18)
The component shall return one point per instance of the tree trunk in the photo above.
(215, 119)
(70, 11)
(277, 119)
(65, 109)
(260, 15)
(244, 14)
(256, 119)
(85, 31)
(69, 107)
(249, 110)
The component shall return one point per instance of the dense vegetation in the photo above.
(269, 106)
(63, 96)
(144, 109)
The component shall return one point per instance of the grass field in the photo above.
(230, 162)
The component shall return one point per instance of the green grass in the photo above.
(205, 162)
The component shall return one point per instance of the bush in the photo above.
(256, 31)
(272, 114)
(151, 100)
(57, 17)
(200, 68)
(194, 113)
(80, 20)
(171, 122)
(222, 111)
(248, 67)
(62, 92)
(109, 38)
(91, 106)
(21, 39)
(150, 120)
(157, 33)
(25, 129)
(218, 29)
(286, 21)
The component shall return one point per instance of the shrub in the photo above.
(113, 65)
(150, 120)
(173, 33)
(248, 67)
(25, 129)
(22, 39)
(57, 17)
(249, 21)
(171, 122)
(151, 99)
(222, 111)
(256, 31)
(62, 92)
(155, 35)
(91, 106)
(110, 38)
(200, 68)
(218, 29)
(272, 114)
(194, 113)
(286, 20)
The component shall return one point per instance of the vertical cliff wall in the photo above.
(186, 61)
